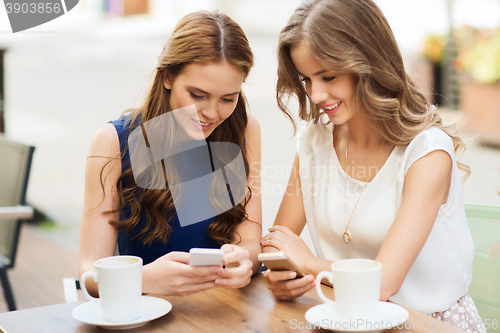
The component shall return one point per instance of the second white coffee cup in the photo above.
(119, 281)
(356, 286)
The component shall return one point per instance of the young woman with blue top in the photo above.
(375, 174)
(201, 68)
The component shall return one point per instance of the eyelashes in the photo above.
(199, 97)
(324, 78)
(195, 96)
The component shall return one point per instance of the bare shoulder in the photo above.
(105, 142)
(252, 136)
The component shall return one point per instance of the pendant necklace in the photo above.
(347, 235)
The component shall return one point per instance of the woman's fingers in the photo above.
(236, 277)
(278, 236)
(185, 274)
(202, 279)
(278, 276)
(284, 286)
(244, 268)
(182, 257)
(234, 254)
(273, 242)
(234, 282)
(291, 285)
(283, 229)
(286, 296)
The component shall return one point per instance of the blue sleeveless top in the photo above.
(181, 238)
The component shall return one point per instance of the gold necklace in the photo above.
(347, 235)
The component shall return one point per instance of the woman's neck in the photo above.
(361, 133)
(360, 148)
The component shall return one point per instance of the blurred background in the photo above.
(64, 79)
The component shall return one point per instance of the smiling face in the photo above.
(213, 88)
(334, 93)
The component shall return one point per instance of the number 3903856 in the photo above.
(33, 8)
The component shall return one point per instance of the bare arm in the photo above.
(250, 230)
(291, 215)
(97, 237)
(291, 212)
(241, 256)
(285, 236)
(426, 187)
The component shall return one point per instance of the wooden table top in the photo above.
(250, 309)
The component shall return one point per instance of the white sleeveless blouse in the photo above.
(442, 272)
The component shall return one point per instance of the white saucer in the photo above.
(151, 308)
(389, 315)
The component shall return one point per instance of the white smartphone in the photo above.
(279, 261)
(205, 257)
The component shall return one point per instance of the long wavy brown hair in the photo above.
(201, 37)
(353, 37)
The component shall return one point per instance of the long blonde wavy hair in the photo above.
(353, 37)
(201, 37)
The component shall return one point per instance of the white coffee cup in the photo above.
(356, 287)
(119, 281)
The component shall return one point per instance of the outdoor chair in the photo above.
(15, 163)
(484, 224)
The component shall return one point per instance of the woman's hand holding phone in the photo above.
(287, 241)
(238, 267)
(285, 279)
(182, 273)
(284, 284)
(171, 274)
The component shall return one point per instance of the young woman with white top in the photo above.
(375, 174)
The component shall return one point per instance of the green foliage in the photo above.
(47, 224)
(434, 47)
(483, 59)
(478, 52)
